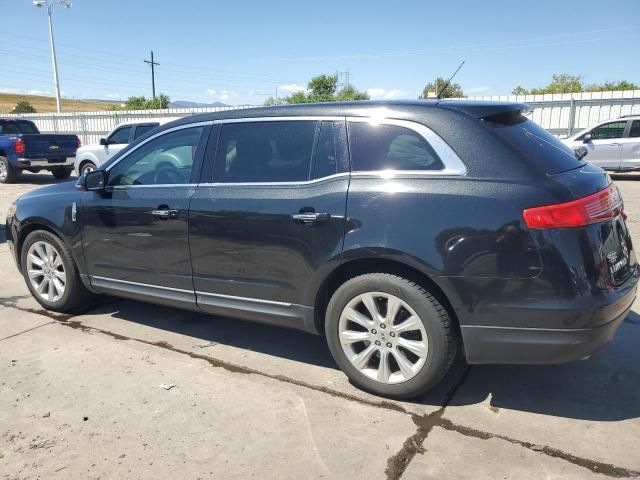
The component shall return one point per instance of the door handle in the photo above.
(614, 144)
(165, 213)
(308, 218)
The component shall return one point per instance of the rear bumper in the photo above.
(513, 345)
(46, 162)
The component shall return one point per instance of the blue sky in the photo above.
(239, 52)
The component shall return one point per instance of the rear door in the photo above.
(631, 147)
(270, 218)
(605, 148)
(134, 234)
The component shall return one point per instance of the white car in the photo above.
(90, 157)
(612, 145)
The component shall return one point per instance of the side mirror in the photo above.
(587, 138)
(95, 181)
(103, 142)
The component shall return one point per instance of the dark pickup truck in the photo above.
(23, 147)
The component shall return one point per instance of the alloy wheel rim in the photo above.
(3, 171)
(383, 337)
(87, 169)
(46, 272)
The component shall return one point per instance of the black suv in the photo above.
(403, 231)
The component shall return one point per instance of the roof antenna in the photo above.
(449, 81)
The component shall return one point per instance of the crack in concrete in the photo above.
(26, 331)
(398, 463)
(592, 465)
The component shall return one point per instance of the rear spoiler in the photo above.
(485, 110)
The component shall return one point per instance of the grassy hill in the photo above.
(48, 104)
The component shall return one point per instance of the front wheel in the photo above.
(52, 275)
(389, 335)
(61, 173)
(87, 167)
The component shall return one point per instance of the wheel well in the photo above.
(2, 153)
(355, 268)
(26, 231)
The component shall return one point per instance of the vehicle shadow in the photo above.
(44, 178)
(3, 234)
(605, 387)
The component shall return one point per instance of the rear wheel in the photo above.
(7, 172)
(61, 172)
(389, 335)
(87, 167)
(52, 274)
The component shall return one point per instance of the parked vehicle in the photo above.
(23, 147)
(403, 231)
(612, 145)
(90, 157)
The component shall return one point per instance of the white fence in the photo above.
(561, 114)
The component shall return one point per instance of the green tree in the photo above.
(141, 103)
(23, 107)
(322, 88)
(453, 90)
(609, 86)
(520, 90)
(561, 83)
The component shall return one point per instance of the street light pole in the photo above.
(54, 61)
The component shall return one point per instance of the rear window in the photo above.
(17, 128)
(142, 129)
(534, 142)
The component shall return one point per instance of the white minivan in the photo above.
(90, 157)
(612, 145)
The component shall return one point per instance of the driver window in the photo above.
(165, 160)
(120, 136)
(608, 131)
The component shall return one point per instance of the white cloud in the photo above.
(39, 92)
(480, 89)
(210, 92)
(381, 93)
(251, 92)
(116, 96)
(9, 90)
(291, 88)
(227, 94)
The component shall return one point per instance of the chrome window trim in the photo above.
(244, 299)
(453, 164)
(159, 185)
(275, 184)
(280, 119)
(156, 135)
(140, 284)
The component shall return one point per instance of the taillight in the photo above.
(79, 142)
(595, 208)
(19, 145)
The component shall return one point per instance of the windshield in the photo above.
(534, 142)
(19, 127)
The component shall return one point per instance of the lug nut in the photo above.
(389, 344)
(378, 343)
(374, 331)
(383, 326)
(393, 334)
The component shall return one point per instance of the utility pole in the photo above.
(49, 4)
(153, 74)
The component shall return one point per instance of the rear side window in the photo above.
(142, 129)
(534, 142)
(608, 130)
(389, 147)
(635, 129)
(17, 128)
(276, 151)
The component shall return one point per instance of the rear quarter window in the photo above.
(534, 142)
(389, 147)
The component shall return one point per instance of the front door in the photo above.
(118, 139)
(605, 148)
(135, 237)
(272, 220)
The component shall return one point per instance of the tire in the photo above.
(7, 173)
(86, 167)
(385, 337)
(61, 173)
(74, 298)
